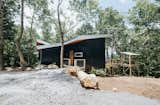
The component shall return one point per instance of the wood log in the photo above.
(81, 75)
(87, 80)
(73, 70)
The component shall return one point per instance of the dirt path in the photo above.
(54, 87)
(149, 87)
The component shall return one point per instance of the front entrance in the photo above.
(71, 57)
(75, 59)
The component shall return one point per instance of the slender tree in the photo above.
(61, 33)
(1, 34)
(18, 40)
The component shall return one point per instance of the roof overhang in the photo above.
(130, 53)
(43, 42)
(83, 37)
(40, 47)
(74, 40)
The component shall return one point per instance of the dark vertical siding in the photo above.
(93, 51)
(51, 56)
(96, 53)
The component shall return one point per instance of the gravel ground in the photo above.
(54, 87)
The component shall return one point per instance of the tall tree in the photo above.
(47, 31)
(61, 33)
(85, 29)
(18, 40)
(111, 22)
(86, 9)
(1, 34)
(144, 17)
(109, 18)
(40, 13)
(10, 10)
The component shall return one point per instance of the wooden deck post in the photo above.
(130, 66)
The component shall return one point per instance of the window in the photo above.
(80, 62)
(66, 61)
(78, 54)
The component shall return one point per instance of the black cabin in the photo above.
(85, 51)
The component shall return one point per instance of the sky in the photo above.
(122, 6)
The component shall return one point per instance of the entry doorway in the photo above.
(71, 57)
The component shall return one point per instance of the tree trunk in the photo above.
(31, 38)
(61, 33)
(107, 54)
(31, 27)
(18, 43)
(1, 35)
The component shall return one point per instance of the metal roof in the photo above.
(129, 53)
(43, 42)
(84, 37)
(74, 40)
(39, 47)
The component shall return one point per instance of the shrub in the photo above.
(99, 72)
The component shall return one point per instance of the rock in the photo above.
(114, 89)
(9, 69)
(88, 80)
(44, 66)
(52, 66)
(28, 69)
(73, 70)
(19, 68)
(38, 67)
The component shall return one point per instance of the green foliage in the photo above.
(47, 35)
(8, 22)
(98, 72)
(143, 14)
(9, 33)
(85, 29)
(145, 40)
(109, 19)
(111, 22)
(86, 9)
(29, 47)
